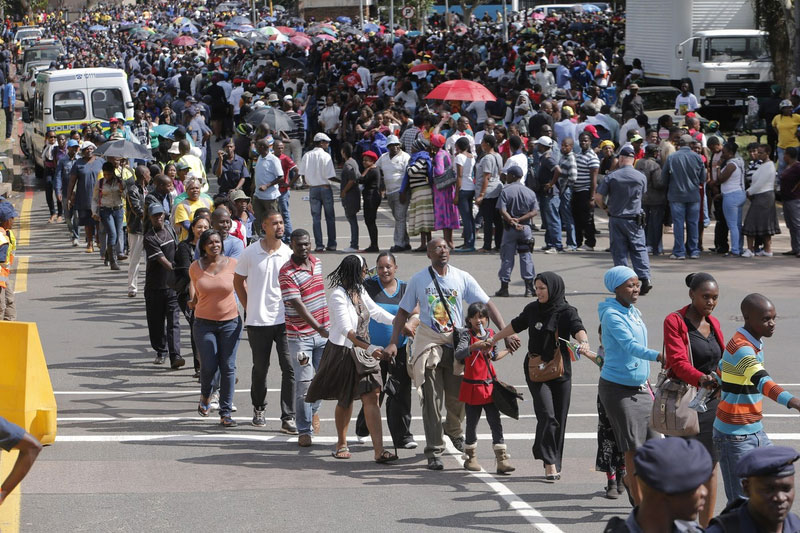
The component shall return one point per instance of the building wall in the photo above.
(321, 9)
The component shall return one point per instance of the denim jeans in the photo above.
(217, 342)
(311, 346)
(283, 204)
(73, 226)
(688, 214)
(322, 198)
(465, 199)
(730, 449)
(400, 214)
(352, 220)
(565, 213)
(654, 215)
(112, 223)
(732, 204)
(549, 204)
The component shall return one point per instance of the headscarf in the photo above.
(555, 300)
(616, 276)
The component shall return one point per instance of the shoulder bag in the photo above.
(365, 363)
(671, 414)
(540, 370)
(458, 366)
(447, 178)
(504, 396)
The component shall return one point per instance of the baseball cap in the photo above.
(544, 140)
(392, 139)
(687, 139)
(321, 137)
(72, 142)
(182, 165)
(636, 138)
(88, 144)
(627, 151)
(155, 209)
(786, 103)
(7, 211)
(591, 130)
(288, 98)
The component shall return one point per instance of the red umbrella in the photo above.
(461, 90)
(286, 30)
(301, 40)
(184, 40)
(422, 66)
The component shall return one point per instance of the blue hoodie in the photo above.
(625, 343)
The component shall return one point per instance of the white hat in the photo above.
(258, 104)
(541, 51)
(174, 149)
(544, 140)
(321, 137)
(88, 144)
(786, 103)
(195, 151)
(288, 97)
(392, 139)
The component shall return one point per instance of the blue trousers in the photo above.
(685, 214)
(509, 249)
(322, 198)
(731, 448)
(283, 205)
(627, 238)
(565, 214)
(732, 205)
(549, 204)
(112, 224)
(217, 342)
(465, 199)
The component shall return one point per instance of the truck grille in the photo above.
(733, 90)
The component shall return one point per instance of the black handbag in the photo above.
(446, 179)
(504, 396)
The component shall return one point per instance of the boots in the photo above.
(503, 289)
(529, 288)
(611, 490)
(503, 466)
(471, 461)
(106, 256)
(114, 263)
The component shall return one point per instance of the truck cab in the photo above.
(727, 66)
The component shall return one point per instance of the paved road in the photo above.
(132, 454)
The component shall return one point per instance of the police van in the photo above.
(70, 99)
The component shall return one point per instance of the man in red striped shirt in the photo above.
(307, 322)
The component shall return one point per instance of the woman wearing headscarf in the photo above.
(346, 371)
(417, 191)
(547, 319)
(693, 346)
(624, 389)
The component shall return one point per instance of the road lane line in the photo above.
(21, 279)
(24, 238)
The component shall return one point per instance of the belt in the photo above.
(319, 186)
(633, 217)
(477, 381)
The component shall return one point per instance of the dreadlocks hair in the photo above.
(349, 275)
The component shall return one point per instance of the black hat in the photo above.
(673, 465)
(772, 461)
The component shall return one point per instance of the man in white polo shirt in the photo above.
(316, 170)
(392, 166)
(257, 286)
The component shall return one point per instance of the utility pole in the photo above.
(391, 21)
(505, 23)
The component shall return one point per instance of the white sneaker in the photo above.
(747, 253)
(586, 248)
(350, 250)
(74, 242)
(677, 257)
(213, 402)
(551, 250)
(762, 253)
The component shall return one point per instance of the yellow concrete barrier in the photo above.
(26, 393)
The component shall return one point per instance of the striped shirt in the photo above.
(298, 132)
(297, 282)
(569, 170)
(408, 137)
(744, 383)
(584, 163)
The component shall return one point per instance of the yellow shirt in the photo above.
(786, 128)
(185, 211)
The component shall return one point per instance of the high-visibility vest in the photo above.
(7, 237)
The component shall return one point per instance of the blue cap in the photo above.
(673, 465)
(514, 171)
(7, 211)
(72, 142)
(772, 461)
(627, 151)
(155, 209)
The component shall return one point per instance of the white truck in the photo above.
(712, 43)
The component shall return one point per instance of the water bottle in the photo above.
(699, 401)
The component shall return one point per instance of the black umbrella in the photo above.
(291, 62)
(226, 6)
(276, 119)
(124, 149)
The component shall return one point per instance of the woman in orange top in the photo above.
(216, 322)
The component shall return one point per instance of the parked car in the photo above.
(658, 100)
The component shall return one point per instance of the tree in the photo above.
(776, 17)
(467, 9)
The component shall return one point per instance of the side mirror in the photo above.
(26, 115)
(679, 53)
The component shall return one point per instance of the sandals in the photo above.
(203, 408)
(386, 457)
(341, 453)
(228, 422)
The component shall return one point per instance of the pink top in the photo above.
(215, 298)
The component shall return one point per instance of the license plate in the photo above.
(738, 102)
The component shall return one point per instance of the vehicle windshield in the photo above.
(24, 34)
(42, 54)
(733, 49)
(659, 100)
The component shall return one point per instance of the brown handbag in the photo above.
(540, 370)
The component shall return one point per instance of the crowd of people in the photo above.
(287, 113)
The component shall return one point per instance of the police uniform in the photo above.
(672, 465)
(767, 461)
(517, 200)
(625, 188)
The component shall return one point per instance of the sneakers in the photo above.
(762, 253)
(677, 257)
(409, 445)
(748, 253)
(213, 402)
(586, 248)
(458, 443)
(550, 250)
(289, 427)
(75, 243)
(350, 250)
(132, 294)
(177, 362)
(434, 463)
(228, 422)
(159, 360)
(258, 417)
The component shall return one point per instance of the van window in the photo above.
(69, 105)
(106, 102)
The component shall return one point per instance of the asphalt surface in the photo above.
(132, 454)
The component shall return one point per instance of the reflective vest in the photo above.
(7, 237)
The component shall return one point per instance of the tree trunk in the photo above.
(778, 21)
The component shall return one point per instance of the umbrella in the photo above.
(301, 40)
(324, 37)
(372, 27)
(189, 28)
(291, 62)
(461, 90)
(140, 34)
(279, 8)
(414, 33)
(219, 24)
(169, 35)
(422, 67)
(244, 43)
(98, 27)
(124, 149)
(180, 21)
(226, 6)
(269, 30)
(239, 19)
(224, 42)
(257, 37)
(286, 30)
(276, 119)
(590, 8)
(184, 40)
(164, 130)
(460, 29)
(399, 32)
(279, 38)
(344, 20)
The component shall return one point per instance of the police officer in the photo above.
(517, 206)
(624, 188)
(767, 475)
(671, 473)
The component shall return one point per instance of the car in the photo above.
(28, 80)
(658, 100)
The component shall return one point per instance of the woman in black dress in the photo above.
(371, 195)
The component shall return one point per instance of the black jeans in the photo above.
(474, 415)
(352, 219)
(492, 223)
(261, 339)
(583, 218)
(551, 405)
(51, 195)
(163, 321)
(9, 121)
(372, 200)
(188, 314)
(721, 227)
(398, 406)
